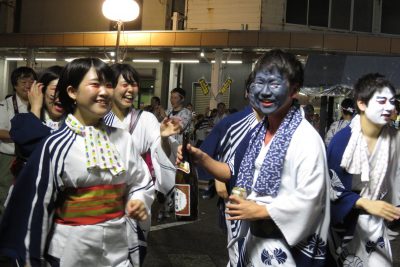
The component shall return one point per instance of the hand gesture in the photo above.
(136, 210)
(170, 126)
(241, 209)
(379, 208)
(35, 98)
(197, 154)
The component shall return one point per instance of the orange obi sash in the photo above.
(91, 205)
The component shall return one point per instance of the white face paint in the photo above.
(380, 106)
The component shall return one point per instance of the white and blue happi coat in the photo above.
(357, 238)
(28, 232)
(221, 144)
(300, 210)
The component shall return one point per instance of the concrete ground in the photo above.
(202, 243)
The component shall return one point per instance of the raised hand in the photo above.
(170, 126)
(35, 98)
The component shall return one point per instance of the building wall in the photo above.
(223, 14)
(41, 16)
(272, 14)
(47, 16)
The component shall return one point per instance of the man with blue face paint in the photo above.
(285, 218)
(363, 161)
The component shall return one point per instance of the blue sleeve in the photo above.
(25, 216)
(342, 208)
(27, 131)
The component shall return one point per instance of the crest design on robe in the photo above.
(371, 245)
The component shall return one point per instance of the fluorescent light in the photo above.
(106, 60)
(229, 62)
(184, 61)
(69, 59)
(202, 54)
(146, 60)
(46, 59)
(14, 58)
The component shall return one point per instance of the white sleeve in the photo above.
(5, 123)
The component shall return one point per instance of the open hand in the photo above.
(379, 208)
(170, 126)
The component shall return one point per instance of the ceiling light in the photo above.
(46, 59)
(184, 61)
(229, 62)
(14, 58)
(146, 60)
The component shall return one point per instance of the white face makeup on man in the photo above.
(380, 107)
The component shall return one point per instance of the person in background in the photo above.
(309, 113)
(178, 111)
(285, 217)
(221, 113)
(70, 202)
(46, 116)
(347, 110)
(22, 79)
(157, 109)
(363, 161)
(150, 138)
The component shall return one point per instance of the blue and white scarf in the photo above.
(269, 179)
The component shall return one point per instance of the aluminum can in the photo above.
(240, 192)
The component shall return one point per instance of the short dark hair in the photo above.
(129, 73)
(157, 99)
(348, 107)
(179, 91)
(22, 72)
(48, 75)
(286, 63)
(73, 74)
(368, 84)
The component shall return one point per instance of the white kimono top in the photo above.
(28, 232)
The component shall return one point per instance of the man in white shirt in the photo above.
(21, 80)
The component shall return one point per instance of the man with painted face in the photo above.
(363, 163)
(285, 218)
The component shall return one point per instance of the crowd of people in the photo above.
(81, 168)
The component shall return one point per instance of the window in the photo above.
(362, 15)
(350, 15)
(340, 14)
(296, 11)
(318, 13)
(390, 20)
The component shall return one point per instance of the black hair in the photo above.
(22, 72)
(348, 107)
(128, 72)
(284, 62)
(157, 99)
(73, 74)
(46, 77)
(368, 84)
(179, 91)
